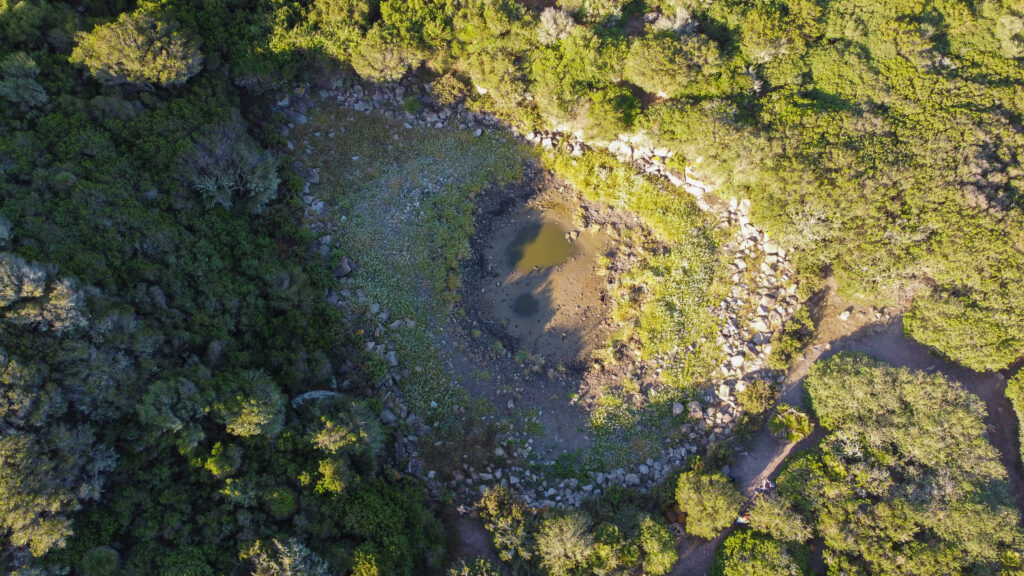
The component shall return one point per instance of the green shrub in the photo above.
(257, 407)
(774, 516)
(223, 460)
(757, 397)
(511, 525)
(611, 112)
(99, 561)
(448, 89)
(709, 501)
(790, 424)
(139, 48)
(747, 553)
(665, 65)
(1015, 393)
(658, 545)
(891, 433)
(794, 337)
(475, 567)
(565, 543)
(281, 502)
(382, 57)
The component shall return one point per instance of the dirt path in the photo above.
(883, 340)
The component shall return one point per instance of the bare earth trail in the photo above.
(884, 341)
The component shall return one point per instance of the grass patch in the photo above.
(403, 201)
(664, 302)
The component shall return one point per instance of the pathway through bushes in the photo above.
(884, 340)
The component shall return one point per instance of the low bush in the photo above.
(1015, 394)
(790, 424)
(749, 553)
(709, 500)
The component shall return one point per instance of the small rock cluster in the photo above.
(762, 298)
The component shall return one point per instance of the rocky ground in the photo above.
(762, 297)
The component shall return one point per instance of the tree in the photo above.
(554, 25)
(335, 13)
(564, 543)
(139, 48)
(774, 516)
(663, 64)
(228, 167)
(382, 57)
(906, 480)
(256, 408)
(99, 561)
(1015, 394)
(290, 558)
(18, 84)
(612, 112)
(476, 567)
(746, 553)
(709, 501)
(593, 11)
(658, 545)
(510, 523)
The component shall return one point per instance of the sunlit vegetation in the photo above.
(162, 302)
(905, 480)
(612, 534)
(665, 301)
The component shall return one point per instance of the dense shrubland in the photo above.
(905, 482)
(159, 305)
(880, 140)
(611, 534)
(159, 308)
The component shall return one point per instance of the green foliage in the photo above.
(774, 516)
(475, 567)
(658, 545)
(18, 85)
(139, 48)
(564, 543)
(757, 397)
(665, 65)
(291, 558)
(790, 424)
(612, 112)
(872, 488)
(1015, 394)
(449, 89)
(594, 10)
(511, 525)
(257, 408)
(99, 561)
(281, 502)
(381, 57)
(709, 501)
(227, 167)
(223, 460)
(793, 338)
(748, 553)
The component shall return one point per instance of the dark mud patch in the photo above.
(522, 336)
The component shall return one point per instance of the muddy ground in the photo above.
(531, 364)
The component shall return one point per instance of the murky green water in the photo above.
(539, 246)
